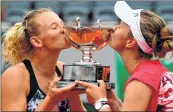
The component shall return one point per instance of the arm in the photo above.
(137, 96)
(114, 102)
(74, 95)
(14, 90)
(51, 100)
(94, 93)
(76, 103)
(55, 95)
(135, 99)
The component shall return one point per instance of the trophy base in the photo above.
(87, 73)
(61, 84)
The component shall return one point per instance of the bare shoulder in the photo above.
(15, 70)
(60, 65)
(15, 83)
(137, 86)
(134, 93)
(15, 74)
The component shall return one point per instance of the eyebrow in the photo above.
(52, 23)
(62, 23)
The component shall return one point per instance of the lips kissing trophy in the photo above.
(87, 40)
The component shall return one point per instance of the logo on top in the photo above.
(135, 14)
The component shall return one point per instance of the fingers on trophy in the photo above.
(87, 40)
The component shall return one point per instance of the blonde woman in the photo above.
(140, 35)
(33, 47)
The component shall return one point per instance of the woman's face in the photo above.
(51, 31)
(119, 36)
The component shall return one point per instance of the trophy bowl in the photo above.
(87, 40)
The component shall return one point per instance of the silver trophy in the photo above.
(87, 40)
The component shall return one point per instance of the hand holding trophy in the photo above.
(87, 40)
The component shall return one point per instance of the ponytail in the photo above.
(14, 44)
(156, 34)
(166, 41)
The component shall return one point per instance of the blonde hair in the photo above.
(156, 34)
(16, 41)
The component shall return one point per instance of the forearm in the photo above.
(115, 105)
(76, 103)
(46, 105)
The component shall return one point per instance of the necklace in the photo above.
(46, 81)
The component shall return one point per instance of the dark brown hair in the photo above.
(156, 34)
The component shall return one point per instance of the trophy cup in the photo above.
(87, 40)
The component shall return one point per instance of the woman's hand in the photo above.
(55, 95)
(59, 94)
(94, 92)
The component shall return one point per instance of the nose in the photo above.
(62, 30)
(66, 32)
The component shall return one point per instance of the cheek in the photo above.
(116, 37)
(51, 39)
(116, 40)
(54, 37)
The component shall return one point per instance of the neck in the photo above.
(131, 60)
(44, 62)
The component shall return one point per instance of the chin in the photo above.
(67, 47)
(112, 46)
(110, 43)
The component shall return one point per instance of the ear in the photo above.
(131, 42)
(36, 42)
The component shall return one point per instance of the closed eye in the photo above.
(54, 26)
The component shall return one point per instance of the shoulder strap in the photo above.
(33, 82)
(58, 71)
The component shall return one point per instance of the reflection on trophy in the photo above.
(87, 40)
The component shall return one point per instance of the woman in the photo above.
(140, 35)
(33, 47)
